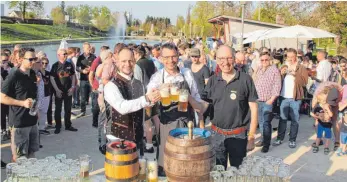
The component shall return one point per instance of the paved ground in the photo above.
(305, 166)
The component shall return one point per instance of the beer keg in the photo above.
(188, 159)
(121, 161)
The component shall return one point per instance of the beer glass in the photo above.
(142, 173)
(34, 108)
(174, 93)
(165, 96)
(152, 167)
(183, 101)
(85, 165)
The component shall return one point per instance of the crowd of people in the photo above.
(237, 91)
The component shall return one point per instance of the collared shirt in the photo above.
(323, 70)
(114, 97)
(267, 83)
(84, 62)
(157, 80)
(231, 100)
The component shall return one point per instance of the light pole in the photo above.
(243, 3)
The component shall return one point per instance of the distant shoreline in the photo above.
(10, 44)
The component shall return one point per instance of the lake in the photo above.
(51, 49)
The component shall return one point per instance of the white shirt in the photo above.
(288, 87)
(157, 80)
(323, 70)
(116, 100)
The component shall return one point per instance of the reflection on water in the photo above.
(51, 49)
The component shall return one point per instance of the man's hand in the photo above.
(59, 93)
(269, 102)
(250, 143)
(71, 90)
(27, 103)
(153, 95)
(86, 70)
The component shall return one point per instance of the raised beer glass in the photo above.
(85, 165)
(165, 96)
(174, 93)
(183, 101)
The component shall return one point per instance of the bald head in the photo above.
(225, 50)
(225, 59)
(240, 58)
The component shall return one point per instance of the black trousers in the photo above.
(4, 113)
(49, 111)
(95, 107)
(67, 110)
(234, 148)
(85, 91)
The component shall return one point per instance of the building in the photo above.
(229, 29)
(15, 14)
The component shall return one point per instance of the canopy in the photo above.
(253, 33)
(297, 31)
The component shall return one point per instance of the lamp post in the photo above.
(243, 3)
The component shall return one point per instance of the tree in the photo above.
(202, 11)
(24, 6)
(57, 16)
(103, 18)
(83, 14)
(71, 11)
(62, 7)
(180, 22)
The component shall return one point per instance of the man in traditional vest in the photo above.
(127, 98)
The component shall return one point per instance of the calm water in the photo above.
(51, 49)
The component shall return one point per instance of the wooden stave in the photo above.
(187, 142)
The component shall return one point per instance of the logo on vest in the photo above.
(233, 95)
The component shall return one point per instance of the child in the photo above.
(323, 123)
(343, 135)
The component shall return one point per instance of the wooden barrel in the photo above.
(188, 159)
(121, 162)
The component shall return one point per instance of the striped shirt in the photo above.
(267, 83)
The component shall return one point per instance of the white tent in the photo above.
(297, 31)
(253, 33)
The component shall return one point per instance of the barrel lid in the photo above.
(184, 131)
(121, 147)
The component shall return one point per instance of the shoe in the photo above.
(44, 132)
(274, 129)
(150, 150)
(3, 165)
(265, 149)
(81, 114)
(326, 151)
(57, 131)
(161, 172)
(277, 143)
(336, 145)
(95, 125)
(71, 129)
(154, 141)
(320, 143)
(259, 143)
(292, 144)
(102, 149)
(49, 126)
(5, 136)
(315, 149)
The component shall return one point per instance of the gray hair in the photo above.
(232, 50)
(105, 54)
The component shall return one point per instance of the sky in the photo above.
(139, 9)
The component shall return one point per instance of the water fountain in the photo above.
(120, 27)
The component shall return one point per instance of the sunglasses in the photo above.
(65, 54)
(31, 59)
(45, 63)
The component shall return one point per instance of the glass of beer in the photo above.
(85, 165)
(174, 93)
(183, 101)
(152, 167)
(143, 168)
(165, 96)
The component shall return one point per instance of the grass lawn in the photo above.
(18, 32)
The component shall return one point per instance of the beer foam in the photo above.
(164, 93)
(183, 98)
(174, 90)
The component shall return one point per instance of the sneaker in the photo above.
(71, 129)
(264, 149)
(3, 165)
(259, 143)
(292, 144)
(315, 149)
(57, 131)
(81, 114)
(49, 126)
(326, 151)
(44, 132)
(277, 143)
(150, 150)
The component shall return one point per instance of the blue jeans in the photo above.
(289, 108)
(76, 95)
(265, 117)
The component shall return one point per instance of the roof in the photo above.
(222, 18)
(18, 13)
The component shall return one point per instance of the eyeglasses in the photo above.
(263, 60)
(44, 63)
(65, 54)
(195, 56)
(31, 59)
(169, 57)
(225, 58)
